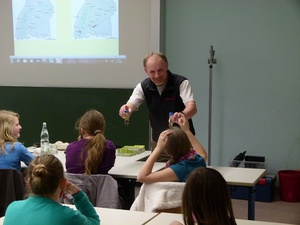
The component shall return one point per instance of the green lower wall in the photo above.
(61, 107)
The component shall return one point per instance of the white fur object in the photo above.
(157, 196)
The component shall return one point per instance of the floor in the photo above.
(275, 211)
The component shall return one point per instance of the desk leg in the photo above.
(127, 191)
(251, 203)
(132, 183)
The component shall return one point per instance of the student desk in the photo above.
(127, 168)
(246, 177)
(166, 218)
(249, 222)
(118, 216)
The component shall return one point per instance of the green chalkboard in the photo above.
(61, 107)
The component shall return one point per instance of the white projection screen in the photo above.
(77, 43)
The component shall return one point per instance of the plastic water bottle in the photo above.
(126, 118)
(44, 139)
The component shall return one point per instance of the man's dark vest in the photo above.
(159, 106)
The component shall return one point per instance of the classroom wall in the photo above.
(255, 83)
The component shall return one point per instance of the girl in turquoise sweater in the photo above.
(47, 184)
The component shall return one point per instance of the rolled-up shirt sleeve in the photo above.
(137, 97)
(186, 92)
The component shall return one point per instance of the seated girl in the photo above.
(47, 184)
(177, 143)
(206, 200)
(12, 152)
(92, 153)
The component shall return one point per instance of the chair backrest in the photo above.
(159, 197)
(101, 189)
(11, 188)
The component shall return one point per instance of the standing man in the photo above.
(163, 92)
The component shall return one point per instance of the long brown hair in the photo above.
(93, 123)
(206, 199)
(178, 144)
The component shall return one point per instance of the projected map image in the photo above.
(66, 31)
(94, 19)
(33, 21)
